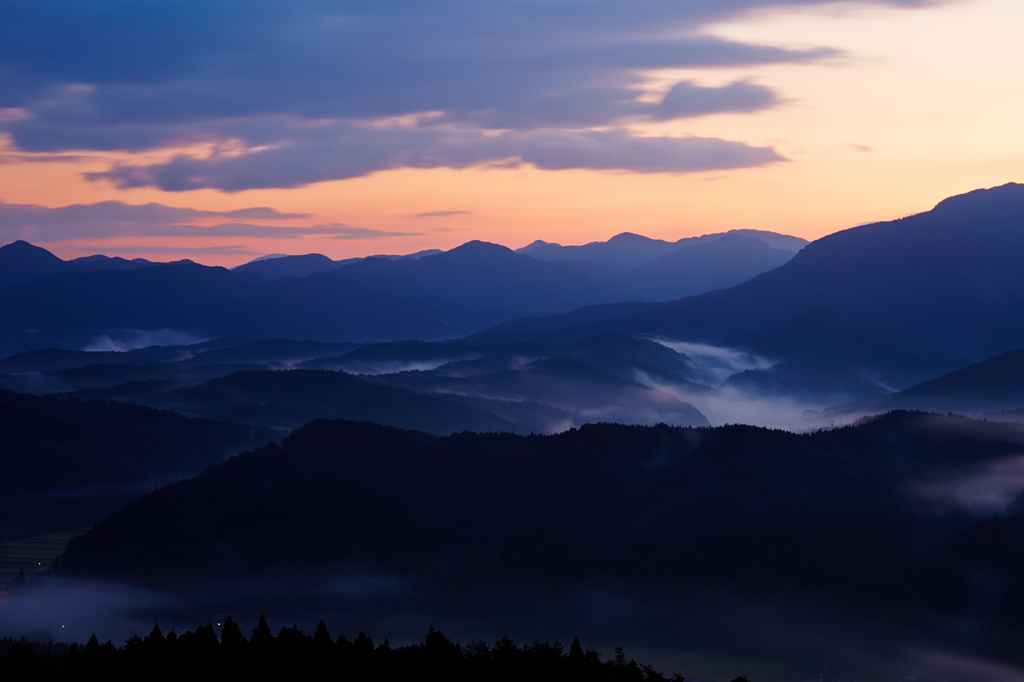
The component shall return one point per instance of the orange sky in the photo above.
(924, 103)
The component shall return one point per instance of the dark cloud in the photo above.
(140, 74)
(441, 214)
(109, 219)
(686, 99)
(351, 152)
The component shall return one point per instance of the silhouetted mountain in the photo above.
(628, 250)
(90, 376)
(294, 266)
(582, 390)
(491, 280)
(69, 463)
(706, 266)
(426, 295)
(22, 262)
(272, 267)
(608, 378)
(51, 359)
(397, 356)
(271, 351)
(937, 286)
(440, 296)
(993, 385)
(289, 399)
(828, 361)
(101, 262)
(215, 302)
(833, 515)
(410, 256)
(551, 326)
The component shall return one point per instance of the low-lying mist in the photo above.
(712, 636)
(124, 340)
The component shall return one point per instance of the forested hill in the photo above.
(828, 513)
(69, 463)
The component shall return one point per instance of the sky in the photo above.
(224, 130)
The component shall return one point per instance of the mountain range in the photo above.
(863, 312)
(427, 295)
(878, 307)
(435, 387)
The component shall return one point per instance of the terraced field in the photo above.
(32, 554)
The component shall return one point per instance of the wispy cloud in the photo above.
(114, 219)
(172, 250)
(441, 214)
(313, 86)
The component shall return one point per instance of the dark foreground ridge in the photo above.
(869, 519)
(292, 655)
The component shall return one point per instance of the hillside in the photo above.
(69, 463)
(994, 385)
(936, 287)
(846, 515)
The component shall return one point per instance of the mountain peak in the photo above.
(22, 248)
(1005, 197)
(23, 262)
(477, 247)
(535, 245)
(631, 237)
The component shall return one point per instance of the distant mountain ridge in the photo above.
(944, 286)
(859, 313)
(280, 265)
(628, 250)
(427, 295)
(22, 262)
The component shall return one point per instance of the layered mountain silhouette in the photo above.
(22, 262)
(939, 286)
(426, 295)
(628, 250)
(288, 399)
(435, 387)
(865, 311)
(377, 301)
(272, 267)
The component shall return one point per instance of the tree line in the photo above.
(293, 655)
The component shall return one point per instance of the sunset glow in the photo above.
(880, 110)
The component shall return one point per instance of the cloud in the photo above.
(441, 214)
(686, 99)
(111, 219)
(301, 76)
(350, 152)
(236, 249)
(130, 339)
